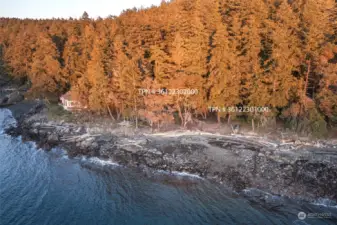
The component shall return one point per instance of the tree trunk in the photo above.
(306, 82)
(136, 111)
(187, 117)
(181, 116)
(274, 90)
(122, 110)
(118, 115)
(113, 118)
(204, 114)
(218, 117)
(135, 99)
(253, 124)
(136, 122)
(229, 118)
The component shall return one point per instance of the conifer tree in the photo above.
(75, 59)
(224, 78)
(285, 54)
(97, 78)
(46, 73)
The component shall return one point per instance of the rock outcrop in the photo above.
(238, 162)
(15, 97)
(11, 98)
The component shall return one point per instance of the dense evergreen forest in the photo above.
(281, 54)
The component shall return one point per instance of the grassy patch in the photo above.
(56, 112)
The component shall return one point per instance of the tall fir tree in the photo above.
(46, 74)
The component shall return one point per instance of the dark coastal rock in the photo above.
(14, 97)
(239, 163)
(53, 138)
(4, 80)
(3, 100)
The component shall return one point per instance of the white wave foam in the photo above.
(257, 192)
(30, 144)
(65, 157)
(6, 120)
(97, 161)
(185, 174)
(180, 174)
(325, 202)
(59, 153)
(19, 138)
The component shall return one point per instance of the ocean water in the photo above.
(48, 188)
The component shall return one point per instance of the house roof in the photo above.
(67, 96)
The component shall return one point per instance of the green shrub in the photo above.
(56, 112)
(311, 123)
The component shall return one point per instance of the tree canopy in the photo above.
(276, 53)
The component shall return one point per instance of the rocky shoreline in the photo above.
(239, 162)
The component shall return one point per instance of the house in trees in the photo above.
(71, 104)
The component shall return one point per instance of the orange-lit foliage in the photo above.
(276, 53)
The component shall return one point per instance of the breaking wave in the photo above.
(6, 120)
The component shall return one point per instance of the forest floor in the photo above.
(104, 124)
